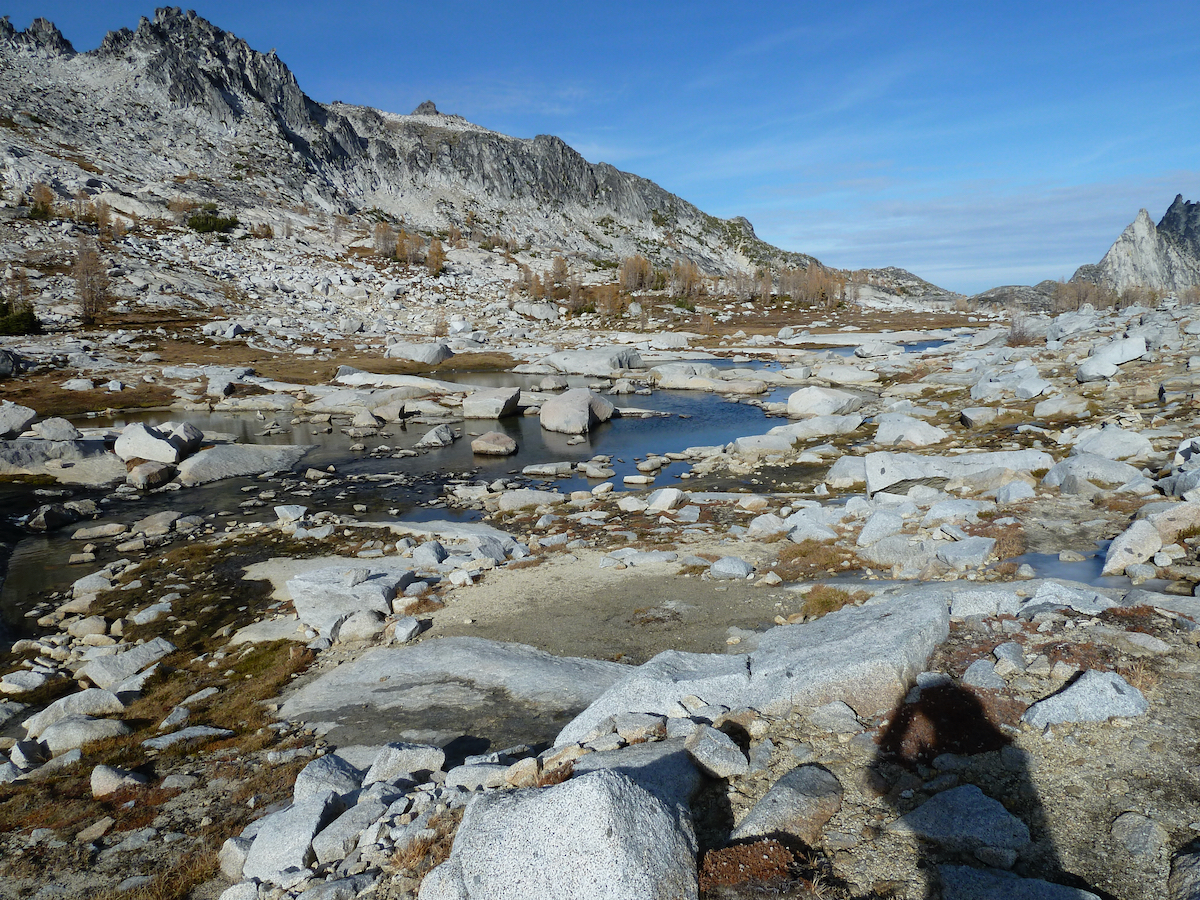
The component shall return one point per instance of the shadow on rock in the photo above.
(972, 844)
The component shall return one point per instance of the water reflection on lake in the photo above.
(691, 419)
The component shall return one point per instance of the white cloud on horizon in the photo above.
(979, 237)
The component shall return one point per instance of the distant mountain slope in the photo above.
(181, 107)
(1165, 257)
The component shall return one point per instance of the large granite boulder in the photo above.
(491, 404)
(599, 362)
(864, 656)
(14, 419)
(598, 835)
(819, 401)
(237, 460)
(575, 411)
(426, 354)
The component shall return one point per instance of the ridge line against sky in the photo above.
(973, 144)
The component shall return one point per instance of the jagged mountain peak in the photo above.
(42, 36)
(180, 106)
(1163, 257)
(1181, 224)
(201, 65)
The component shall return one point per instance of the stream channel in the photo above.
(35, 563)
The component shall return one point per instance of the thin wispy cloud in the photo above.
(983, 234)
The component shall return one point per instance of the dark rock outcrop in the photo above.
(1181, 225)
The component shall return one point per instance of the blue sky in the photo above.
(974, 144)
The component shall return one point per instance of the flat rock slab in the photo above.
(884, 469)
(69, 462)
(819, 426)
(1094, 697)
(327, 597)
(107, 671)
(279, 570)
(898, 428)
(527, 498)
(1113, 442)
(597, 835)
(282, 628)
(599, 362)
(458, 531)
(1090, 467)
(191, 733)
(966, 883)
(864, 656)
(237, 460)
(440, 689)
(966, 819)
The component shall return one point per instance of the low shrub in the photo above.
(18, 320)
(209, 220)
(824, 599)
(810, 559)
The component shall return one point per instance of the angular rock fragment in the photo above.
(536, 843)
(798, 804)
(965, 819)
(284, 839)
(1094, 697)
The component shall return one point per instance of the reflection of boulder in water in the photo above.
(442, 689)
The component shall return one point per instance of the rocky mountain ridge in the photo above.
(1165, 257)
(179, 107)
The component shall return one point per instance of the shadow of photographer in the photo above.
(971, 844)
